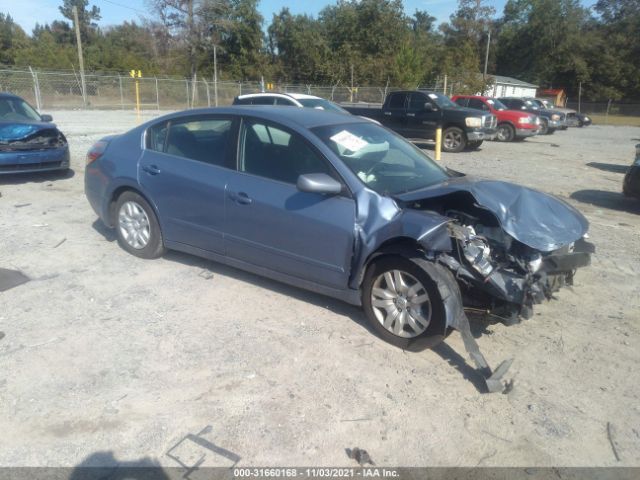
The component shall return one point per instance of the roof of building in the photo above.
(499, 79)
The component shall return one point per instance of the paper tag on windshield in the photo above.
(349, 141)
(433, 96)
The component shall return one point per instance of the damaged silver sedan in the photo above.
(343, 207)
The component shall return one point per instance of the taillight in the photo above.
(96, 151)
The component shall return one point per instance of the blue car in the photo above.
(341, 206)
(29, 142)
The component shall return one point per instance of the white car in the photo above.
(292, 100)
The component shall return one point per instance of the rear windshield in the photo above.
(321, 104)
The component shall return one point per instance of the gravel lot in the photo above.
(108, 358)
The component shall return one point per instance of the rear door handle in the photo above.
(241, 198)
(151, 169)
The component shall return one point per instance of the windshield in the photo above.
(384, 161)
(442, 100)
(497, 104)
(321, 104)
(536, 103)
(17, 110)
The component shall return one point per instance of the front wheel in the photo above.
(506, 133)
(137, 227)
(454, 140)
(403, 304)
(544, 127)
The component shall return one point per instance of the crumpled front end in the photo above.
(31, 148)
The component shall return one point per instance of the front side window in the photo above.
(477, 104)
(17, 110)
(442, 100)
(417, 101)
(284, 102)
(272, 152)
(462, 101)
(203, 139)
(383, 161)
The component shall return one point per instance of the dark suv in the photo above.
(550, 120)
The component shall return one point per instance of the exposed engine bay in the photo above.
(496, 272)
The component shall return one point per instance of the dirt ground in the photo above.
(109, 358)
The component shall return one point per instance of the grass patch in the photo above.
(600, 119)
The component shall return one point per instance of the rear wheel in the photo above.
(506, 133)
(402, 303)
(137, 227)
(454, 140)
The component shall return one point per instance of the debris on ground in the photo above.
(359, 455)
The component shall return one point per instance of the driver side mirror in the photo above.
(429, 107)
(318, 183)
(46, 118)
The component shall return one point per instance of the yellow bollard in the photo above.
(438, 142)
(137, 75)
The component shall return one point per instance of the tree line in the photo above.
(552, 43)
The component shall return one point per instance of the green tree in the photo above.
(87, 17)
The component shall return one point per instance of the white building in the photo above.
(510, 87)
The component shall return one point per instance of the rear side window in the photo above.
(157, 136)
(204, 139)
(242, 101)
(396, 100)
(262, 101)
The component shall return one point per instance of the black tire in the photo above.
(454, 140)
(544, 127)
(434, 332)
(551, 131)
(506, 133)
(474, 145)
(154, 246)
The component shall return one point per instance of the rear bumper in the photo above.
(34, 161)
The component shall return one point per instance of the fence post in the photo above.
(157, 94)
(606, 117)
(186, 82)
(240, 87)
(36, 88)
(121, 92)
(206, 85)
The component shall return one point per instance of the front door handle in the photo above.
(241, 198)
(151, 169)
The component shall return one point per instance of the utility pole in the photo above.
(579, 96)
(80, 57)
(486, 62)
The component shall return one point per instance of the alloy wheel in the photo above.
(401, 303)
(134, 226)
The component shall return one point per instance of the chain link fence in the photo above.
(63, 90)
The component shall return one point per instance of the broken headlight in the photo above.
(474, 248)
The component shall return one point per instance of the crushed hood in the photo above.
(539, 220)
(11, 132)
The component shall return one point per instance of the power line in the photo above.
(125, 6)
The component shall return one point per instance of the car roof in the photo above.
(296, 96)
(305, 117)
(9, 95)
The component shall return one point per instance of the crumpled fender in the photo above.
(379, 220)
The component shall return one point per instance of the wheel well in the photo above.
(402, 246)
(116, 194)
(506, 122)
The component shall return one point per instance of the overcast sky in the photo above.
(29, 12)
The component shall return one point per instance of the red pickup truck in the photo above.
(512, 124)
